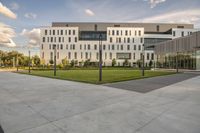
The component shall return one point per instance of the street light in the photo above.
(54, 47)
(100, 57)
(177, 66)
(29, 62)
(143, 60)
(17, 62)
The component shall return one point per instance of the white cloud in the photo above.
(14, 6)
(7, 12)
(30, 15)
(89, 12)
(188, 16)
(6, 35)
(33, 36)
(155, 2)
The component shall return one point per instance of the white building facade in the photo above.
(80, 42)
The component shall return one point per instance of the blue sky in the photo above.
(32, 14)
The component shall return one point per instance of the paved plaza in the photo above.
(31, 104)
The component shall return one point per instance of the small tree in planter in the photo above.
(150, 63)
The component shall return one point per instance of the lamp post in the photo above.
(54, 47)
(17, 62)
(29, 62)
(177, 63)
(143, 60)
(100, 57)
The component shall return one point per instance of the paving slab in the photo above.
(31, 104)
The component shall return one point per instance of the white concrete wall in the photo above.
(132, 33)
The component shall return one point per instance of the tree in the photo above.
(139, 63)
(65, 62)
(150, 63)
(51, 62)
(36, 60)
(114, 62)
(87, 63)
(72, 63)
(126, 62)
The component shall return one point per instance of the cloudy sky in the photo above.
(20, 20)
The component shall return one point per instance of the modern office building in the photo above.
(183, 52)
(120, 41)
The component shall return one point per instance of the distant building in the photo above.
(182, 52)
(80, 41)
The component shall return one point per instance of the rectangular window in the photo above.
(59, 39)
(65, 32)
(74, 32)
(120, 40)
(139, 47)
(75, 55)
(66, 46)
(42, 46)
(174, 33)
(69, 55)
(43, 40)
(147, 56)
(134, 56)
(61, 32)
(61, 46)
(51, 56)
(88, 46)
(108, 47)
(110, 39)
(126, 32)
(58, 46)
(113, 32)
(47, 39)
(104, 47)
(141, 40)
(73, 46)
(69, 39)
(105, 55)
(75, 39)
(69, 32)
(117, 32)
(128, 47)
(49, 46)
(51, 39)
(54, 39)
(113, 47)
(111, 56)
(134, 47)
(95, 47)
(97, 56)
(139, 33)
(128, 40)
(133, 40)
(158, 28)
(53, 32)
(80, 46)
(45, 32)
(182, 33)
(152, 56)
(57, 32)
(121, 47)
(49, 32)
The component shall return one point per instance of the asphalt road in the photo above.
(150, 84)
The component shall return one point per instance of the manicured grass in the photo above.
(91, 76)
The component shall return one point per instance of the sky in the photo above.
(20, 20)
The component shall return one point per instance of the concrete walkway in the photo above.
(30, 104)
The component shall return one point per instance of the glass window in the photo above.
(74, 32)
(110, 39)
(95, 47)
(88, 46)
(53, 32)
(134, 47)
(110, 55)
(61, 46)
(113, 47)
(69, 32)
(75, 55)
(43, 40)
(75, 39)
(128, 47)
(104, 47)
(69, 55)
(121, 47)
(69, 39)
(61, 32)
(113, 32)
(45, 32)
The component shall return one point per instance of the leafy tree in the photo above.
(72, 63)
(139, 63)
(51, 62)
(150, 63)
(87, 63)
(126, 62)
(36, 60)
(65, 62)
(114, 62)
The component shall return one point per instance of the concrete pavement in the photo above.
(30, 104)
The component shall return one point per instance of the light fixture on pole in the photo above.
(29, 62)
(100, 57)
(143, 54)
(54, 47)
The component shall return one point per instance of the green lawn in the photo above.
(91, 76)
